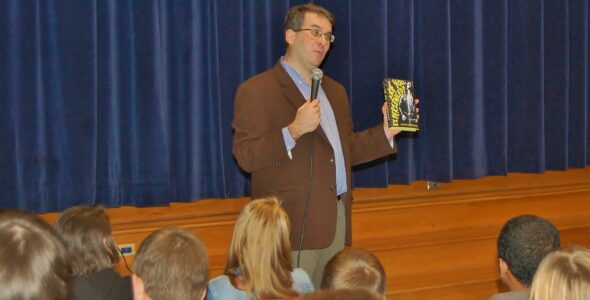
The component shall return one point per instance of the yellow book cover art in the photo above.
(401, 111)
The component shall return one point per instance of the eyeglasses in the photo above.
(317, 33)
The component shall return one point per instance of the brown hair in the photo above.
(33, 259)
(88, 237)
(343, 294)
(563, 274)
(260, 250)
(355, 268)
(296, 14)
(173, 264)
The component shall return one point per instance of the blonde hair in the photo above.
(563, 274)
(260, 250)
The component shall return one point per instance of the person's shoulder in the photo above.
(220, 280)
(257, 85)
(260, 78)
(301, 281)
(104, 284)
(220, 287)
(518, 295)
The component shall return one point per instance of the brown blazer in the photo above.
(265, 104)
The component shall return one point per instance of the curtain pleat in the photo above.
(123, 102)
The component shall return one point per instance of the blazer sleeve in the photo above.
(258, 140)
(369, 145)
(363, 146)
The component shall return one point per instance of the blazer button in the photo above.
(333, 188)
(331, 161)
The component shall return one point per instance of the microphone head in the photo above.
(317, 74)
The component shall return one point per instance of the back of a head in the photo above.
(33, 260)
(260, 250)
(173, 265)
(523, 242)
(563, 274)
(355, 268)
(343, 294)
(87, 234)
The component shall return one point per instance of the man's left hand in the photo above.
(391, 132)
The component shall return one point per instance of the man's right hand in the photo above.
(306, 120)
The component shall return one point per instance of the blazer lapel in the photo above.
(293, 94)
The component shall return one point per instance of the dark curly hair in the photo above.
(523, 242)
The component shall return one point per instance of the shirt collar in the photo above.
(295, 76)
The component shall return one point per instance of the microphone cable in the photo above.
(308, 200)
(316, 77)
(124, 260)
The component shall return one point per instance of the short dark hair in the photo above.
(355, 268)
(33, 259)
(523, 243)
(87, 234)
(296, 15)
(173, 264)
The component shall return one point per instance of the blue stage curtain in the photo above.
(124, 102)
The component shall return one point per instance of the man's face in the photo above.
(309, 51)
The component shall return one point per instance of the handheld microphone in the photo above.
(316, 79)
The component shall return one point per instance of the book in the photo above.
(401, 110)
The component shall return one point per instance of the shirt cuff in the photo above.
(390, 140)
(289, 142)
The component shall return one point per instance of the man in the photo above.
(355, 268)
(344, 294)
(302, 151)
(33, 261)
(523, 243)
(171, 264)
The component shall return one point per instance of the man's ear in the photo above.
(508, 278)
(505, 274)
(504, 270)
(503, 267)
(138, 288)
(290, 36)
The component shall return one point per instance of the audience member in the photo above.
(171, 264)
(87, 234)
(563, 274)
(344, 294)
(259, 261)
(355, 268)
(33, 260)
(523, 242)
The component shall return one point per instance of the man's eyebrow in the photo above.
(318, 27)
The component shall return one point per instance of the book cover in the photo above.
(401, 111)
